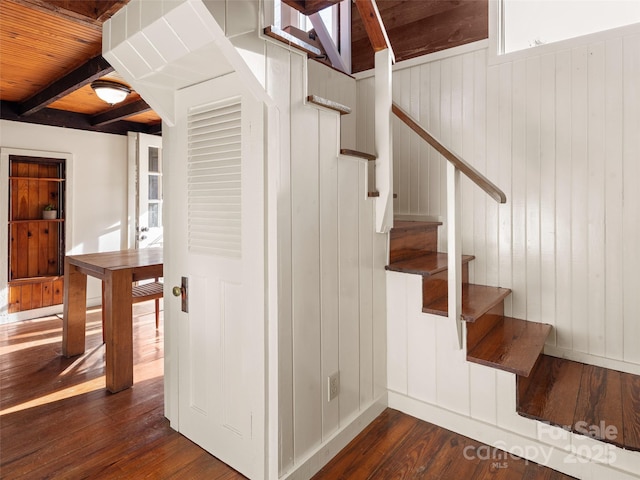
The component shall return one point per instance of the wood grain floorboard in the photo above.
(601, 403)
(425, 451)
(418, 449)
(457, 458)
(553, 392)
(631, 410)
(369, 449)
(58, 421)
(504, 466)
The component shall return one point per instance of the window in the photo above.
(529, 23)
(330, 17)
(155, 188)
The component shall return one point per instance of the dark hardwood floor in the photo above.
(58, 421)
(398, 446)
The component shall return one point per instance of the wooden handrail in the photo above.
(476, 177)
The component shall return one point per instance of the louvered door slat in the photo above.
(214, 179)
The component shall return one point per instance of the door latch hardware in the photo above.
(182, 293)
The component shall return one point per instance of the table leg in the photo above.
(118, 329)
(74, 316)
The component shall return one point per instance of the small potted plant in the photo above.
(49, 212)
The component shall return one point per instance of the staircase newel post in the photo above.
(383, 140)
(454, 250)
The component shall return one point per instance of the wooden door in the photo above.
(145, 190)
(216, 240)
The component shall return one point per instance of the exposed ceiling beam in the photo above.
(86, 73)
(155, 129)
(118, 113)
(62, 118)
(45, 6)
(108, 12)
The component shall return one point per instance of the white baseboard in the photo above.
(312, 463)
(31, 314)
(534, 450)
(603, 362)
(43, 312)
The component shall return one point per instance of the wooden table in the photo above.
(118, 270)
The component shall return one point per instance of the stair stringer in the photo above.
(430, 379)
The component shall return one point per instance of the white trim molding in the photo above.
(317, 459)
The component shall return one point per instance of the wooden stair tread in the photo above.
(476, 301)
(512, 345)
(551, 391)
(406, 225)
(330, 104)
(576, 396)
(428, 263)
(278, 34)
(356, 153)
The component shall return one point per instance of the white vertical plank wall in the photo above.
(331, 267)
(613, 177)
(558, 132)
(305, 271)
(631, 198)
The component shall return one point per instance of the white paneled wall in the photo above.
(96, 211)
(331, 265)
(329, 83)
(559, 132)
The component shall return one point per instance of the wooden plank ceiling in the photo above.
(49, 54)
(419, 27)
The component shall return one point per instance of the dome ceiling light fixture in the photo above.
(109, 91)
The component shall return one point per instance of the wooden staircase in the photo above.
(570, 395)
(345, 152)
(493, 340)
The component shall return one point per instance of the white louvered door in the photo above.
(221, 345)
